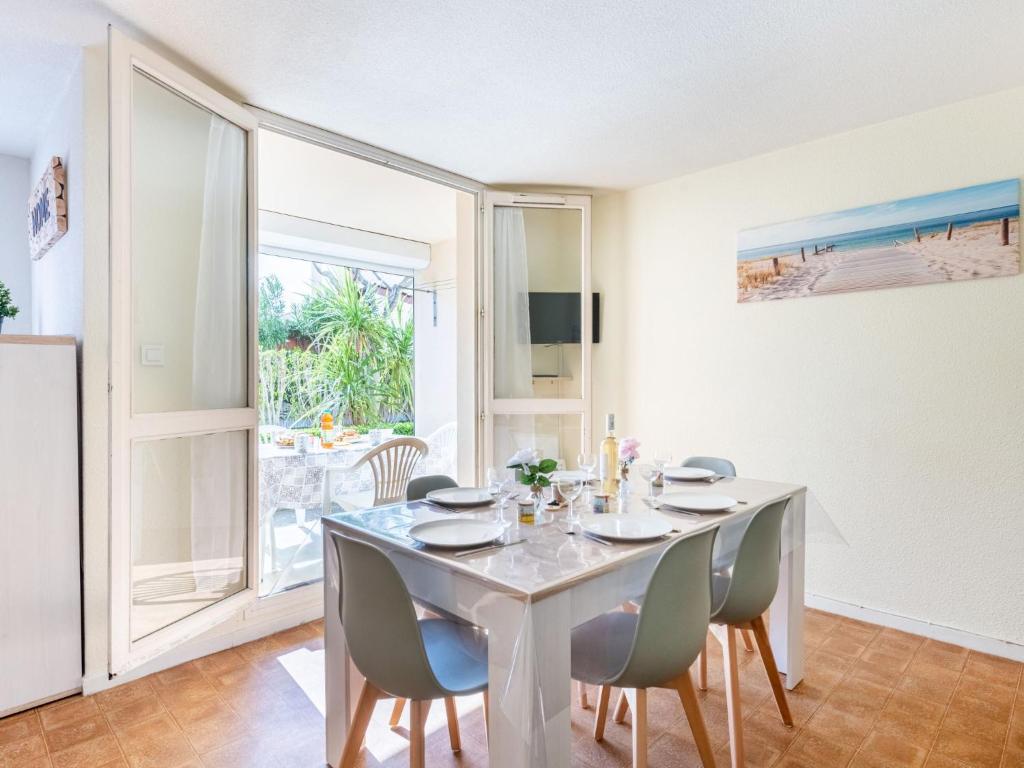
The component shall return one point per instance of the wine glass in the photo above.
(648, 472)
(570, 486)
(587, 462)
(499, 483)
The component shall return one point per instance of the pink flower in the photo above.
(629, 449)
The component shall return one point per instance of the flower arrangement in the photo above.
(531, 469)
(629, 451)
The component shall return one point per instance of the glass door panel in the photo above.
(189, 499)
(556, 436)
(189, 259)
(538, 312)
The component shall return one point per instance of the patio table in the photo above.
(529, 597)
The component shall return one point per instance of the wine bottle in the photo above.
(609, 456)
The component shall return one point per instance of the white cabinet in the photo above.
(40, 572)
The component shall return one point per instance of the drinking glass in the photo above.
(499, 482)
(587, 462)
(571, 487)
(661, 459)
(648, 472)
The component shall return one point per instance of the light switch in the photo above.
(153, 354)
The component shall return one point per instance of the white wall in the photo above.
(901, 409)
(436, 396)
(15, 263)
(57, 292)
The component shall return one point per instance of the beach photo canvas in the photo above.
(962, 234)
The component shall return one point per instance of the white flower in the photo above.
(524, 457)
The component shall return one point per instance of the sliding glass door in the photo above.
(539, 326)
(183, 413)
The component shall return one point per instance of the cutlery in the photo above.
(488, 548)
(592, 537)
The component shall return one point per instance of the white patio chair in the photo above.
(392, 464)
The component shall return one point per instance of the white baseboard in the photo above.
(945, 634)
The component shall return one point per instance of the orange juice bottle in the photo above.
(327, 430)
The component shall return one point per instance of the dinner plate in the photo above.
(697, 502)
(456, 533)
(461, 497)
(619, 527)
(687, 473)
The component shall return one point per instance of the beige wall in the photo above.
(902, 410)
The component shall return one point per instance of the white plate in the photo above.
(687, 473)
(617, 527)
(456, 533)
(697, 502)
(461, 497)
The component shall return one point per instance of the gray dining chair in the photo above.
(419, 487)
(725, 468)
(742, 590)
(400, 655)
(655, 647)
(722, 467)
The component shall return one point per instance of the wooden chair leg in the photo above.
(732, 696)
(396, 713)
(418, 711)
(688, 698)
(581, 692)
(453, 724)
(604, 693)
(638, 703)
(487, 718)
(747, 642)
(768, 659)
(621, 707)
(702, 667)
(368, 697)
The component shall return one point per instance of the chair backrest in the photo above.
(673, 621)
(722, 467)
(381, 630)
(392, 463)
(755, 570)
(419, 487)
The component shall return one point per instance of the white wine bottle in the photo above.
(609, 457)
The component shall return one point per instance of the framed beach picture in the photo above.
(957, 235)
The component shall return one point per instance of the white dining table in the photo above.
(529, 597)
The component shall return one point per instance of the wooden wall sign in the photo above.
(48, 210)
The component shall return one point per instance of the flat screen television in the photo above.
(555, 318)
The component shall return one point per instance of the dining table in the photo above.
(528, 597)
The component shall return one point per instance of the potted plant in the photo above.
(533, 471)
(7, 309)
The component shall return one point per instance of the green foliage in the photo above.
(273, 326)
(354, 355)
(7, 309)
(537, 474)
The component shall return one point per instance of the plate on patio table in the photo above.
(625, 527)
(697, 502)
(461, 497)
(457, 533)
(687, 474)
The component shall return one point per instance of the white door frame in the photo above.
(125, 57)
(494, 406)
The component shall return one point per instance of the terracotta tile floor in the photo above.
(872, 697)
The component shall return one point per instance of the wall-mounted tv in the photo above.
(555, 318)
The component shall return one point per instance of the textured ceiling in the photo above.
(594, 93)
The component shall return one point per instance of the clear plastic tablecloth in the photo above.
(529, 596)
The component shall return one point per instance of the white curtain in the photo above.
(220, 359)
(513, 355)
